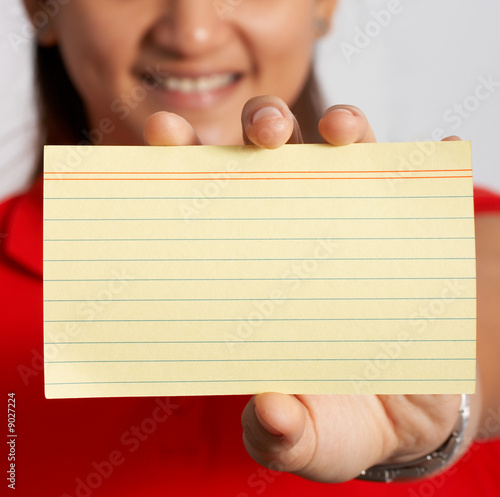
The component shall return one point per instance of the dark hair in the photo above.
(62, 111)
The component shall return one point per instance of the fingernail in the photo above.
(267, 427)
(343, 110)
(266, 113)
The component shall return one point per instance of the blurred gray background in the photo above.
(417, 68)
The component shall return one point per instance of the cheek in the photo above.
(282, 52)
(98, 54)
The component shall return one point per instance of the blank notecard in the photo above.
(234, 270)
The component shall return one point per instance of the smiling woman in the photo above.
(179, 56)
(185, 72)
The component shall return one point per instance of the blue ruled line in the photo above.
(239, 320)
(266, 360)
(243, 239)
(256, 380)
(274, 259)
(260, 298)
(271, 219)
(249, 198)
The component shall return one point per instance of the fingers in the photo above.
(345, 124)
(166, 128)
(268, 123)
(452, 138)
(278, 432)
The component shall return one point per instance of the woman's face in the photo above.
(202, 59)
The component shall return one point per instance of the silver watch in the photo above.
(426, 465)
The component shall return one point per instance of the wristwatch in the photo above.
(426, 465)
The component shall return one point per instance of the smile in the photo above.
(202, 84)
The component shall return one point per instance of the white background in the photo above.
(428, 57)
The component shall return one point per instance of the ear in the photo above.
(324, 13)
(42, 20)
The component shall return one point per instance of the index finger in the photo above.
(345, 124)
(167, 129)
(268, 123)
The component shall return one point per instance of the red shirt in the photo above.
(151, 446)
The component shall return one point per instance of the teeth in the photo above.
(197, 85)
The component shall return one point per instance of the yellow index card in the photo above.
(235, 270)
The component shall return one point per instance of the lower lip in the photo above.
(177, 101)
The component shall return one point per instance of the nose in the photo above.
(190, 28)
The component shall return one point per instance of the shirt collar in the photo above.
(24, 230)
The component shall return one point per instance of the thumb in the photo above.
(278, 432)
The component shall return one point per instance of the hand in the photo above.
(268, 123)
(328, 438)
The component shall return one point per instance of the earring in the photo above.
(322, 27)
